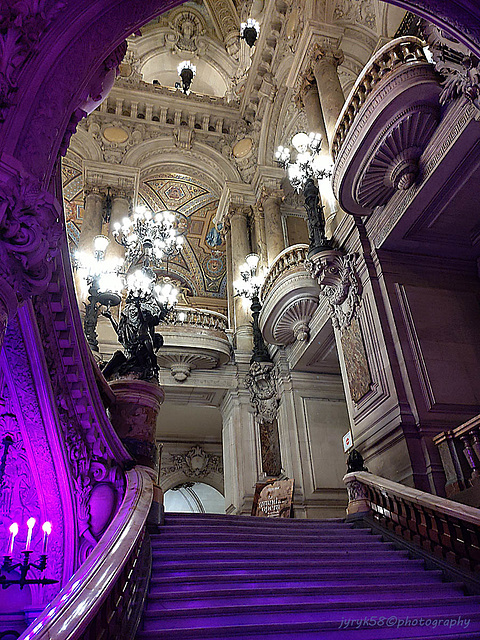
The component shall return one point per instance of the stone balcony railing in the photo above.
(384, 127)
(193, 339)
(289, 297)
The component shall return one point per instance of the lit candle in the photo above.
(47, 530)
(13, 528)
(30, 524)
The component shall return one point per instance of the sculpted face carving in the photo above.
(336, 275)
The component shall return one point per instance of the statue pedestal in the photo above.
(134, 416)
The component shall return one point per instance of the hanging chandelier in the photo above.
(151, 238)
(250, 31)
(186, 70)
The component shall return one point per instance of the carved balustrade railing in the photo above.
(400, 51)
(291, 258)
(446, 529)
(204, 318)
(104, 598)
(459, 450)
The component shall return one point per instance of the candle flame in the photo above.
(13, 528)
(31, 523)
(47, 528)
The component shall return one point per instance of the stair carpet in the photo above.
(216, 577)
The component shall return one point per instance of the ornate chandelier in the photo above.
(186, 70)
(149, 237)
(309, 163)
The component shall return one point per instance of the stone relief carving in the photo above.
(29, 234)
(22, 25)
(339, 283)
(456, 63)
(262, 385)
(195, 463)
(361, 11)
(187, 28)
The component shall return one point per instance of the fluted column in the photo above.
(240, 249)
(275, 241)
(92, 219)
(325, 63)
(120, 209)
(260, 242)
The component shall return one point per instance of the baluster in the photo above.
(469, 455)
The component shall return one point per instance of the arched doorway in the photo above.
(194, 497)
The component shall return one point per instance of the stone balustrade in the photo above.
(188, 316)
(193, 339)
(459, 450)
(406, 49)
(289, 297)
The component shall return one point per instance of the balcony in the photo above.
(289, 297)
(193, 339)
(386, 123)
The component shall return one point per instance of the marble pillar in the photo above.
(259, 242)
(308, 99)
(92, 219)
(324, 64)
(120, 210)
(275, 242)
(240, 249)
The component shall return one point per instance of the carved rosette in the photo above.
(339, 284)
(30, 229)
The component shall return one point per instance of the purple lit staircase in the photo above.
(219, 577)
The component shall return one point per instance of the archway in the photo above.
(194, 497)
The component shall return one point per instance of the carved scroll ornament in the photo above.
(261, 383)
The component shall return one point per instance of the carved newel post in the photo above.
(30, 231)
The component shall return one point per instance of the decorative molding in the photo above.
(339, 283)
(194, 463)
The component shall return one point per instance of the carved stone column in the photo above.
(275, 242)
(92, 219)
(238, 215)
(260, 240)
(134, 416)
(309, 100)
(120, 209)
(324, 63)
(30, 232)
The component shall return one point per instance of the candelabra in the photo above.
(147, 304)
(104, 285)
(309, 165)
(24, 567)
(151, 237)
(249, 31)
(186, 70)
(248, 286)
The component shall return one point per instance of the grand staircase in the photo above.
(219, 577)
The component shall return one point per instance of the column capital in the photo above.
(270, 193)
(305, 84)
(236, 211)
(326, 53)
(90, 189)
(121, 192)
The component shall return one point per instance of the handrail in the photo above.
(80, 601)
(402, 50)
(204, 318)
(446, 528)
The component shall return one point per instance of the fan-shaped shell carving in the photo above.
(293, 323)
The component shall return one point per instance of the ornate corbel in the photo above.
(339, 284)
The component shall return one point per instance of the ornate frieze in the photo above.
(262, 385)
(194, 463)
(339, 284)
